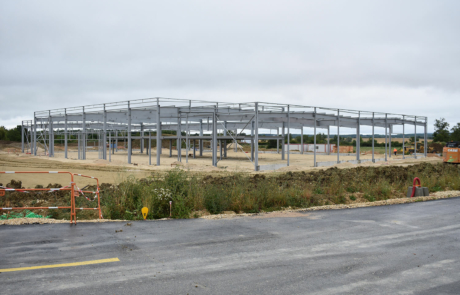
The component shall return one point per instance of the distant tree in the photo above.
(296, 139)
(291, 138)
(272, 144)
(455, 135)
(3, 131)
(14, 134)
(441, 133)
(368, 142)
(412, 139)
(396, 144)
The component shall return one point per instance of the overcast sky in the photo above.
(387, 56)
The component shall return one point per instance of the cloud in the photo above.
(389, 56)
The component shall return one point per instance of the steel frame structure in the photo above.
(149, 115)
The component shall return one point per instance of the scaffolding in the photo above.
(235, 121)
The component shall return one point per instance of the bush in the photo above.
(244, 193)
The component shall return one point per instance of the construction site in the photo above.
(148, 138)
(164, 132)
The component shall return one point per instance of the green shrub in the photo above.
(253, 193)
(369, 198)
(351, 189)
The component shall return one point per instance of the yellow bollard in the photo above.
(145, 210)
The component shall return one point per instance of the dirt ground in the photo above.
(117, 170)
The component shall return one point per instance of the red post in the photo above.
(73, 214)
(416, 179)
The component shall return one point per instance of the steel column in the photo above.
(104, 137)
(415, 137)
(187, 143)
(22, 137)
(283, 149)
(65, 134)
(84, 135)
(358, 138)
(50, 132)
(116, 142)
(404, 139)
(301, 140)
(314, 140)
(158, 134)
(225, 141)
(386, 137)
(110, 146)
(338, 136)
(256, 138)
(426, 138)
(235, 146)
(129, 134)
(35, 136)
(373, 127)
(389, 140)
(141, 142)
(179, 138)
(214, 139)
(194, 148)
(278, 141)
(201, 141)
(252, 141)
(288, 134)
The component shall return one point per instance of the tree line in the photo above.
(13, 134)
(443, 134)
(321, 138)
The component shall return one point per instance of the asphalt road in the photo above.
(400, 249)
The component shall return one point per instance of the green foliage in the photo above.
(250, 194)
(271, 144)
(351, 189)
(369, 198)
(318, 191)
(436, 188)
(321, 138)
(341, 200)
(3, 132)
(441, 133)
(455, 135)
(215, 201)
(13, 134)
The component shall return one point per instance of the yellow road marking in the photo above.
(61, 265)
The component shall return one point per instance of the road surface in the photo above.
(400, 249)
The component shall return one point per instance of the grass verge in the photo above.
(242, 193)
(193, 194)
